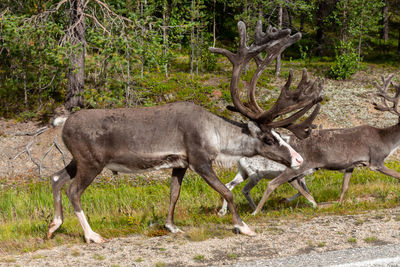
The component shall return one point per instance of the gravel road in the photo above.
(275, 239)
(386, 255)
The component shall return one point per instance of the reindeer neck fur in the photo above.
(391, 137)
(235, 142)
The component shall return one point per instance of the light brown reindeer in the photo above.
(345, 149)
(182, 135)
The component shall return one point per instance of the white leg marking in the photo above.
(55, 178)
(245, 230)
(173, 229)
(57, 221)
(90, 235)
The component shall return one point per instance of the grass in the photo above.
(352, 240)
(370, 239)
(98, 257)
(199, 258)
(121, 206)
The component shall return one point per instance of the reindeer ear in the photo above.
(286, 138)
(254, 129)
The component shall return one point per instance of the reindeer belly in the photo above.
(261, 166)
(145, 164)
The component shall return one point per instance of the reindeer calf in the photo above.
(255, 169)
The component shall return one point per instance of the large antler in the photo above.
(386, 99)
(307, 94)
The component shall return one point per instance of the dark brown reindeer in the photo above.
(181, 135)
(345, 149)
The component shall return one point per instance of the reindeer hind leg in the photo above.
(301, 188)
(239, 178)
(345, 186)
(58, 180)
(84, 177)
(176, 182)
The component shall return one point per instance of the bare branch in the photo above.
(30, 144)
(98, 23)
(54, 144)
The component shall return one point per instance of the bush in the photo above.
(347, 62)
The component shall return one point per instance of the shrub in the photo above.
(346, 62)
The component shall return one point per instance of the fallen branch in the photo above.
(56, 145)
(28, 147)
(30, 144)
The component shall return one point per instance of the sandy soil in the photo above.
(276, 238)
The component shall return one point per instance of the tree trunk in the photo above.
(76, 72)
(320, 37)
(278, 58)
(302, 20)
(361, 31)
(385, 21)
(343, 30)
(214, 25)
(192, 39)
(166, 22)
(142, 59)
(398, 44)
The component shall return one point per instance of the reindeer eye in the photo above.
(268, 140)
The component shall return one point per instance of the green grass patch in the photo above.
(352, 240)
(121, 206)
(370, 239)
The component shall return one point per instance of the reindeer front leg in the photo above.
(281, 179)
(203, 167)
(84, 177)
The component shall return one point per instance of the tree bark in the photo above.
(324, 9)
(214, 24)
(385, 21)
(344, 30)
(398, 44)
(278, 58)
(192, 39)
(76, 72)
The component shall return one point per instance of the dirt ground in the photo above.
(349, 104)
(275, 238)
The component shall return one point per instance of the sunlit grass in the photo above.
(122, 206)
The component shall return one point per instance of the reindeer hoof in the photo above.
(49, 235)
(54, 225)
(95, 238)
(221, 213)
(173, 229)
(244, 230)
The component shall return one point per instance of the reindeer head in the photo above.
(303, 98)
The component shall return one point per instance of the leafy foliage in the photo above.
(164, 38)
(32, 64)
(346, 63)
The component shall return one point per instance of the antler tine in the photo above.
(303, 130)
(306, 93)
(385, 97)
(274, 41)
